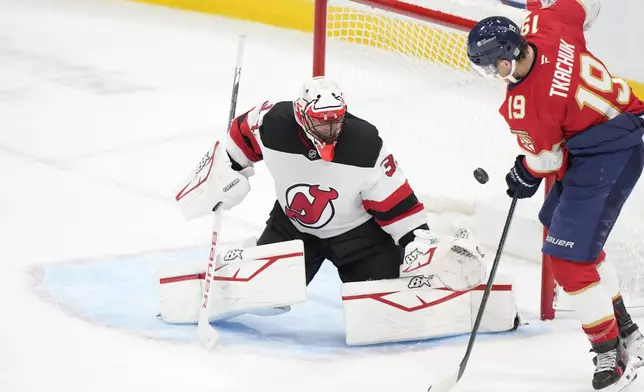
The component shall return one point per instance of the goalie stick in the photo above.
(449, 382)
(207, 334)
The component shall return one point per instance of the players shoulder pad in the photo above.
(279, 130)
(359, 143)
(280, 113)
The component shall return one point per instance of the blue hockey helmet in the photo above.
(493, 39)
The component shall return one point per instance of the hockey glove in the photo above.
(519, 179)
(214, 181)
(456, 261)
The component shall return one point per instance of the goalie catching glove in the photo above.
(456, 261)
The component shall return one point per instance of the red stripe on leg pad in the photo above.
(573, 276)
(270, 260)
(450, 295)
(182, 278)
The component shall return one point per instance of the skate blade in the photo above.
(627, 379)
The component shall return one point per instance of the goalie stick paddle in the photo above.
(207, 334)
(450, 381)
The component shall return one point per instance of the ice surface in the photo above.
(104, 106)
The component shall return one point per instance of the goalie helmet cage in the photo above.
(434, 31)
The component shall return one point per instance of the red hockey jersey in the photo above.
(567, 90)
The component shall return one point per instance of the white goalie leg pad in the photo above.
(408, 308)
(245, 280)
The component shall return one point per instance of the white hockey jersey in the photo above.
(323, 198)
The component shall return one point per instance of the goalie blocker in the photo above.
(266, 279)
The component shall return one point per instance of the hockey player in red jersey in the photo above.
(574, 120)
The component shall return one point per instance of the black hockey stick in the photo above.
(449, 382)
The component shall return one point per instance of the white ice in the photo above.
(105, 105)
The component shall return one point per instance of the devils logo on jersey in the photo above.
(309, 205)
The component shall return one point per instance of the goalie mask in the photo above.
(320, 111)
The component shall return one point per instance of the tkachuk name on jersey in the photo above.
(563, 69)
(558, 242)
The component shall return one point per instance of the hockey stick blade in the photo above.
(446, 384)
(450, 382)
(208, 336)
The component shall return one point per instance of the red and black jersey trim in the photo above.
(399, 205)
(243, 137)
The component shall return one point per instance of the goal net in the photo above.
(402, 66)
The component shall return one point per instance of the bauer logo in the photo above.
(558, 242)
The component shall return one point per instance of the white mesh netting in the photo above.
(411, 78)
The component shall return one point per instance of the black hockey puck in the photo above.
(481, 176)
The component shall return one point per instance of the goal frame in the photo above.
(395, 6)
(446, 20)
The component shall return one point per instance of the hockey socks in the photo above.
(592, 303)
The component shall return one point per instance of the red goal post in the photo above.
(433, 32)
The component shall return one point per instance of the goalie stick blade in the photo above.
(208, 336)
(447, 383)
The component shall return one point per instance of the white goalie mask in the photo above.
(320, 111)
